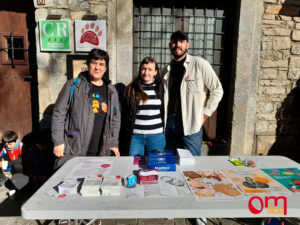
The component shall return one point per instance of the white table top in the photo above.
(40, 206)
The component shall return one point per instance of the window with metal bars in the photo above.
(153, 27)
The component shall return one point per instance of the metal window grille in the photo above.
(153, 27)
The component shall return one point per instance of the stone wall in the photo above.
(52, 66)
(279, 65)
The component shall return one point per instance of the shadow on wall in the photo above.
(288, 127)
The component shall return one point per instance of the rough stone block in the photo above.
(271, 55)
(276, 31)
(273, 90)
(62, 4)
(54, 91)
(98, 9)
(296, 18)
(295, 62)
(84, 5)
(40, 14)
(77, 15)
(261, 126)
(273, 9)
(274, 64)
(266, 45)
(272, 127)
(43, 76)
(297, 26)
(268, 74)
(43, 59)
(294, 74)
(264, 143)
(273, 98)
(281, 43)
(286, 54)
(73, 5)
(63, 12)
(286, 18)
(296, 35)
(96, 1)
(44, 97)
(282, 75)
(268, 16)
(266, 116)
(270, 1)
(265, 107)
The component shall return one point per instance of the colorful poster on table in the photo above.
(90, 34)
(288, 177)
(55, 35)
(255, 181)
(210, 184)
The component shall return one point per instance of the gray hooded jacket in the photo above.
(73, 122)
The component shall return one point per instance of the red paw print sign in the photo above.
(89, 35)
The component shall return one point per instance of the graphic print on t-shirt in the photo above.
(98, 103)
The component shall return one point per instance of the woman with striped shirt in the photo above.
(143, 111)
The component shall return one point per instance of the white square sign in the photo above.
(90, 34)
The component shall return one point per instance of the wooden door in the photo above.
(15, 97)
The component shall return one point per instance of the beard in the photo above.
(178, 55)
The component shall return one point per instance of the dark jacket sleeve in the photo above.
(115, 120)
(60, 114)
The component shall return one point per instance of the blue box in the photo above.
(162, 163)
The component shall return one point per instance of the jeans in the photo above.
(176, 139)
(149, 141)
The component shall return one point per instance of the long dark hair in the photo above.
(135, 88)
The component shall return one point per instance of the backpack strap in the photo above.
(75, 82)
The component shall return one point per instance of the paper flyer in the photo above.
(211, 184)
(255, 181)
(288, 177)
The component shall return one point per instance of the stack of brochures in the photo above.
(111, 185)
(185, 157)
(91, 187)
(68, 187)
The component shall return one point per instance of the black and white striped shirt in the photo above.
(148, 119)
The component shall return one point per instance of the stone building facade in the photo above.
(52, 66)
(266, 64)
(279, 65)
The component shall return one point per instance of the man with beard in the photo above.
(187, 80)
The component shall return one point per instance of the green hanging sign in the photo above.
(55, 35)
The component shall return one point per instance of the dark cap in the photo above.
(179, 35)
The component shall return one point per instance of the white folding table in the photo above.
(40, 206)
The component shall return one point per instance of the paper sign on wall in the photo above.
(89, 35)
(55, 35)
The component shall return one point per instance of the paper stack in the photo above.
(111, 185)
(91, 187)
(68, 187)
(185, 157)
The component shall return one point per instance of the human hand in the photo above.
(0, 164)
(59, 150)
(115, 151)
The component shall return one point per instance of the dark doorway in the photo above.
(18, 74)
(210, 26)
